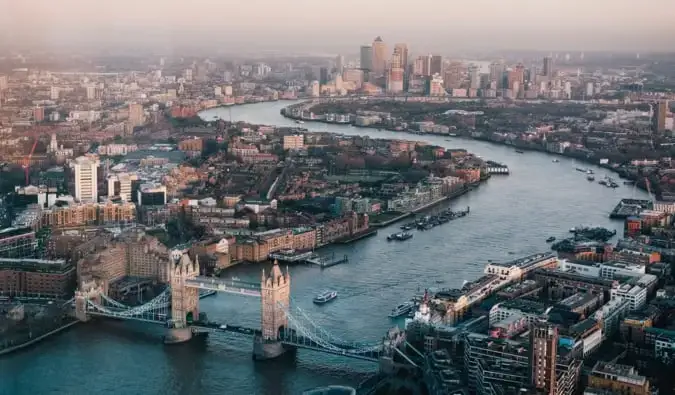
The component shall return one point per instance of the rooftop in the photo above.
(577, 300)
(525, 305)
(622, 373)
(527, 261)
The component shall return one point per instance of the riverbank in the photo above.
(37, 339)
(582, 157)
(451, 196)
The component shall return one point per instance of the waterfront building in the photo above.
(294, 142)
(32, 277)
(623, 379)
(379, 56)
(86, 179)
(118, 266)
(517, 269)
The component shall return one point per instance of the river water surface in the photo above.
(510, 216)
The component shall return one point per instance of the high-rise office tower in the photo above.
(543, 354)
(402, 49)
(497, 73)
(86, 179)
(136, 117)
(366, 57)
(379, 56)
(547, 71)
(395, 74)
(339, 64)
(659, 116)
(323, 75)
(474, 77)
(422, 66)
(435, 64)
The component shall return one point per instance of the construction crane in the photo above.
(26, 160)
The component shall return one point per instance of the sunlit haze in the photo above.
(323, 26)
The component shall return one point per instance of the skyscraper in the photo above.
(436, 64)
(395, 74)
(379, 56)
(548, 67)
(366, 58)
(339, 64)
(543, 354)
(323, 75)
(402, 49)
(474, 77)
(659, 116)
(86, 179)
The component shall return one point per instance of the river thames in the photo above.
(510, 216)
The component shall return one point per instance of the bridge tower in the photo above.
(275, 292)
(184, 300)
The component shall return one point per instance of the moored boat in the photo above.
(402, 309)
(325, 297)
(550, 239)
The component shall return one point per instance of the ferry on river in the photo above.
(400, 236)
(402, 309)
(325, 297)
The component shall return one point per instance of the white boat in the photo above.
(299, 122)
(325, 297)
(402, 309)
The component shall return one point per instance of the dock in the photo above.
(357, 236)
(328, 261)
(290, 256)
(630, 207)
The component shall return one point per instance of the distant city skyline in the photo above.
(301, 25)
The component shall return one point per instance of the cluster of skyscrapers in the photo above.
(396, 72)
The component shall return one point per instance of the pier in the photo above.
(328, 261)
(291, 256)
(630, 207)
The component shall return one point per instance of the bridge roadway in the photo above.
(290, 337)
(224, 285)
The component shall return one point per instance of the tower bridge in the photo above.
(283, 326)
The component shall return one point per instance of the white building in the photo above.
(635, 295)
(120, 185)
(611, 314)
(86, 179)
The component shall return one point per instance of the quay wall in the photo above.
(37, 339)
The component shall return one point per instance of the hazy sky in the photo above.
(442, 25)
